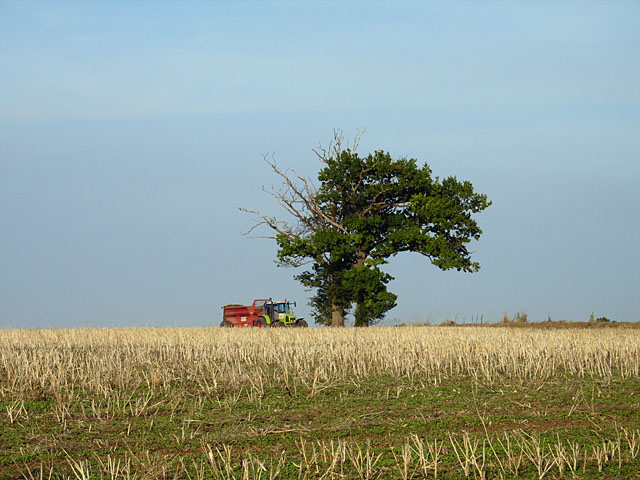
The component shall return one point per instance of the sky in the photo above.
(131, 132)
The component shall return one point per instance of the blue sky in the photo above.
(130, 132)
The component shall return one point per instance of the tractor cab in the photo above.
(281, 307)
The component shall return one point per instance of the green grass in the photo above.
(179, 425)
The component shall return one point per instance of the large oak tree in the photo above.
(364, 210)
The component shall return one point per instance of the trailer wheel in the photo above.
(277, 324)
(226, 324)
(301, 323)
(261, 322)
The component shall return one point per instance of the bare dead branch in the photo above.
(297, 195)
(334, 149)
(357, 138)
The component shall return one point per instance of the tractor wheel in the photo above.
(261, 322)
(277, 324)
(301, 323)
(226, 324)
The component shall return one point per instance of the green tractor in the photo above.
(278, 314)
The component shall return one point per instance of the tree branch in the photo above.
(299, 200)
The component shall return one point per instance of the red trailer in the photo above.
(235, 315)
(263, 312)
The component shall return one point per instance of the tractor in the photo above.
(261, 313)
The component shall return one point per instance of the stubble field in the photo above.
(392, 403)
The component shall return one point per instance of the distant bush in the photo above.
(520, 317)
(448, 323)
(592, 319)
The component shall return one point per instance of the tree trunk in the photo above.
(361, 319)
(337, 318)
(360, 322)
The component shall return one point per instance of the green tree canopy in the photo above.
(364, 211)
